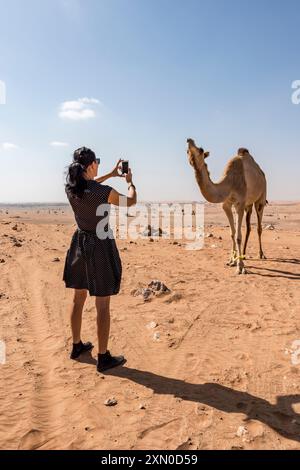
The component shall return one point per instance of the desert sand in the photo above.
(210, 365)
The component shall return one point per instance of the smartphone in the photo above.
(124, 167)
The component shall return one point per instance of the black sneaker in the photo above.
(107, 361)
(80, 348)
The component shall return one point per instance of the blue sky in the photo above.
(135, 78)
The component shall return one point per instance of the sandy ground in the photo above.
(222, 374)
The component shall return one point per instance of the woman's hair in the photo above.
(75, 181)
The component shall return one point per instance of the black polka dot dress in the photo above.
(92, 262)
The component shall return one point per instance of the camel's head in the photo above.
(242, 151)
(196, 155)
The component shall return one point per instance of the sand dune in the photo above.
(219, 375)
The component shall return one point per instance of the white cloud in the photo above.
(72, 105)
(78, 110)
(89, 100)
(75, 115)
(56, 143)
(9, 146)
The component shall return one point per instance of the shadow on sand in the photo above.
(278, 273)
(281, 417)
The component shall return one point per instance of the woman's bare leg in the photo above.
(103, 322)
(76, 313)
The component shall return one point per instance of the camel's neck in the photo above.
(213, 192)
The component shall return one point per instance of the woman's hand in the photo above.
(115, 171)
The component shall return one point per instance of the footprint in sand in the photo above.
(32, 440)
(204, 416)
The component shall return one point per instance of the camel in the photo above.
(243, 185)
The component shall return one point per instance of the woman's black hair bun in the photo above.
(76, 183)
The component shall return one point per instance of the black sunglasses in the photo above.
(97, 160)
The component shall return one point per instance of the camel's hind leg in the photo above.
(259, 207)
(227, 207)
(240, 208)
(248, 224)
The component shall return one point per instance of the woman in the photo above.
(93, 263)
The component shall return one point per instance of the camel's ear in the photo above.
(206, 154)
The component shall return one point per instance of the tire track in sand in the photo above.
(46, 409)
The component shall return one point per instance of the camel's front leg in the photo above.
(240, 257)
(228, 211)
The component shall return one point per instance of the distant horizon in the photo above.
(66, 204)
